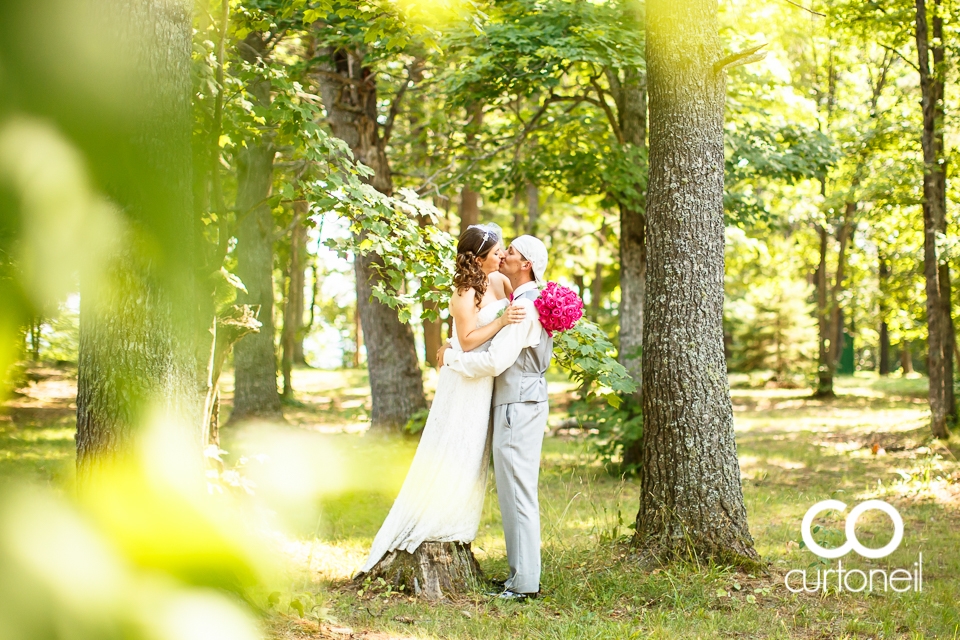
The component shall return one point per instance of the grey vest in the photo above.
(524, 381)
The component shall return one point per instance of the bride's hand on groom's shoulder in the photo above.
(513, 314)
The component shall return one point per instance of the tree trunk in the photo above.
(293, 304)
(596, 292)
(140, 333)
(432, 329)
(349, 94)
(824, 368)
(884, 360)
(939, 325)
(691, 500)
(432, 571)
(255, 359)
(632, 107)
(533, 207)
(906, 358)
(298, 283)
(470, 199)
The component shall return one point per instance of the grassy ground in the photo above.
(327, 486)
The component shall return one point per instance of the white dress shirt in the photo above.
(506, 345)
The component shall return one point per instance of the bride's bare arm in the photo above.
(464, 310)
(500, 285)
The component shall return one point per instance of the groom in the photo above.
(518, 356)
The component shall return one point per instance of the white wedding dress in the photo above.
(442, 496)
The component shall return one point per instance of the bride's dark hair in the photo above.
(474, 243)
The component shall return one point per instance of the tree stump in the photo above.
(433, 571)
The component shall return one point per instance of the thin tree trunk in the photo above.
(632, 107)
(884, 360)
(349, 94)
(691, 500)
(939, 329)
(432, 329)
(297, 285)
(533, 208)
(596, 291)
(293, 304)
(140, 333)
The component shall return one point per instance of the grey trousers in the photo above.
(517, 440)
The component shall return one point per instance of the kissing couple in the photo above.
(491, 371)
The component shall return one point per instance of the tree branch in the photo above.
(800, 6)
(900, 55)
(395, 103)
(614, 123)
(746, 56)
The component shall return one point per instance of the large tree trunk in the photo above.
(939, 325)
(691, 500)
(349, 94)
(140, 336)
(255, 359)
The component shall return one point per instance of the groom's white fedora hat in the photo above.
(535, 251)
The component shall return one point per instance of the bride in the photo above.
(442, 496)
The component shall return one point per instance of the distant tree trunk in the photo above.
(432, 329)
(470, 199)
(469, 207)
(829, 314)
(140, 331)
(349, 94)
(691, 499)
(884, 360)
(255, 359)
(939, 323)
(533, 207)
(298, 282)
(293, 303)
(906, 358)
(36, 328)
(596, 291)
(631, 98)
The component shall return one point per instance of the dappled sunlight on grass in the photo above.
(323, 484)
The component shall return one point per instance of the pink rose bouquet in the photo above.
(559, 307)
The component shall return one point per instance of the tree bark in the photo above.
(255, 359)
(939, 324)
(433, 571)
(691, 500)
(349, 94)
(140, 333)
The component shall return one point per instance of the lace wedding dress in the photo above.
(442, 496)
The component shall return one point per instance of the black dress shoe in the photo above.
(499, 584)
